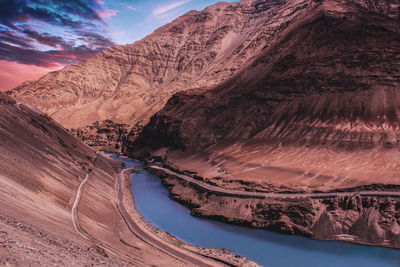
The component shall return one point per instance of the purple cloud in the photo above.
(81, 18)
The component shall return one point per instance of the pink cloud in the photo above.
(108, 13)
(13, 74)
(118, 32)
(99, 2)
(131, 7)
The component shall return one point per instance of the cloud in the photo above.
(118, 33)
(108, 13)
(94, 40)
(77, 31)
(127, 6)
(9, 37)
(160, 10)
(25, 56)
(61, 13)
(47, 59)
(45, 38)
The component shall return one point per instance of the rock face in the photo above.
(317, 108)
(6, 100)
(127, 84)
(104, 136)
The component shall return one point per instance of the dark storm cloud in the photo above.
(11, 38)
(45, 38)
(49, 58)
(26, 56)
(56, 12)
(79, 17)
(96, 40)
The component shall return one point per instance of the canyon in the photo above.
(283, 96)
(58, 203)
(314, 111)
(305, 114)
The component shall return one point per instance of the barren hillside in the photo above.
(41, 169)
(317, 109)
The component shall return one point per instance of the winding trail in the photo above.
(74, 211)
(77, 225)
(259, 195)
(136, 229)
(75, 220)
(134, 225)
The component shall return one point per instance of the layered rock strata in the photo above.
(129, 83)
(316, 109)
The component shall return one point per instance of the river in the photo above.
(264, 247)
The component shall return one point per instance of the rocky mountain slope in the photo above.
(41, 169)
(128, 84)
(274, 95)
(317, 109)
(105, 135)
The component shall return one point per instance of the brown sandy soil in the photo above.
(291, 168)
(41, 168)
(23, 244)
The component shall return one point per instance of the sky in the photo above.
(38, 36)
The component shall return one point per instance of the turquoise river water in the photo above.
(266, 248)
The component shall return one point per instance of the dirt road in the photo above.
(243, 194)
(137, 230)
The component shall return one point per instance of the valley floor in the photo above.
(120, 238)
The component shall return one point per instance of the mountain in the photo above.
(129, 83)
(321, 97)
(41, 168)
(261, 95)
(316, 110)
